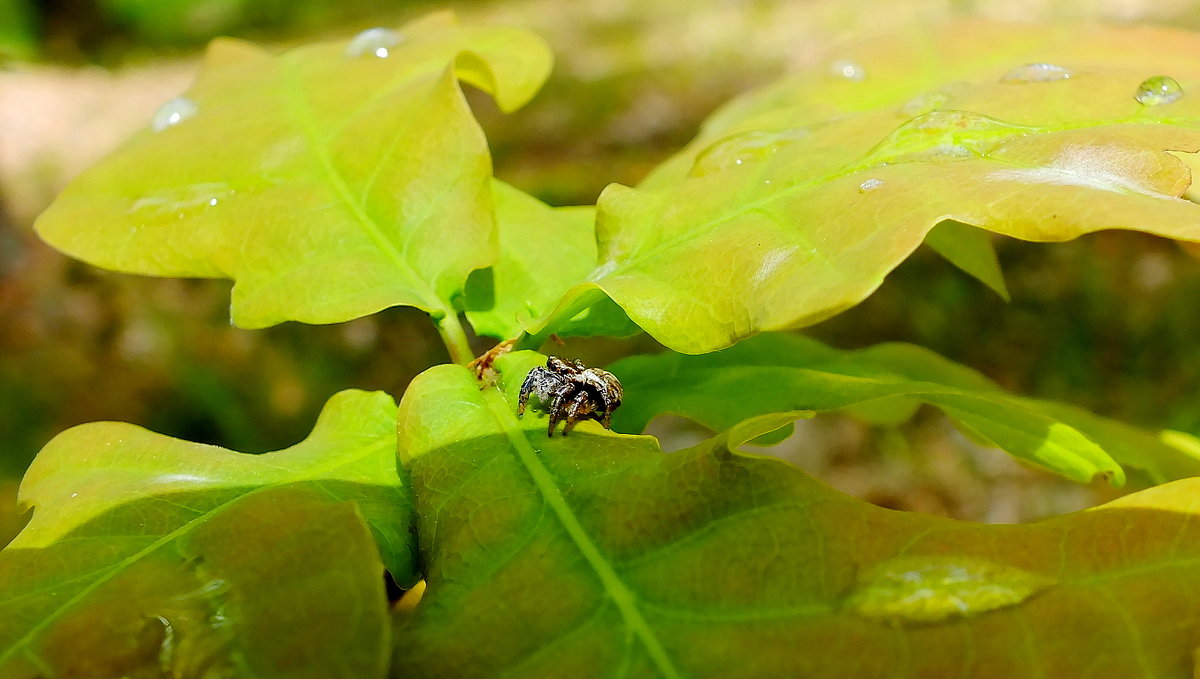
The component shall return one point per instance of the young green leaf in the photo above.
(598, 555)
(144, 548)
(544, 251)
(779, 372)
(971, 250)
(779, 217)
(329, 182)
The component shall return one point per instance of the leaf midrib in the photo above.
(302, 114)
(619, 593)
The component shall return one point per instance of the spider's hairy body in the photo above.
(570, 391)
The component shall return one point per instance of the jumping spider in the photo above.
(571, 391)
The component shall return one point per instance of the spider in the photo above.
(571, 391)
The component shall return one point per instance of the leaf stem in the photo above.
(455, 338)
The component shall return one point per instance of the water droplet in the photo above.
(745, 148)
(1039, 72)
(173, 112)
(870, 185)
(941, 135)
(74, 494)
(1159, 90)
(926, 589)
(847, 69)
(181, 202)
(373, 41)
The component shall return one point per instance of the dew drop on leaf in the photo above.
(940, 135)
(173, 112)
(870, 185)
(373, 41)
(1159, 90)
(187, 200)
(745, 148)
(927, 589)
(1039, 72)
(847, 69)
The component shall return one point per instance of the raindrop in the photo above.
(182, 202)
(373, 41)
(928, 589)
(1159, 90)
(173, 112)
(1039, 72)
(847, 69)
(870, 185)
(742, 149)
(944, 135)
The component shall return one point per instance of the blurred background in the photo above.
(1107, 322)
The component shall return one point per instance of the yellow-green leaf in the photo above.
(778, 372)
(145, 550)
(971, 250)
(797, 200)
(599, 555)
(330, 181)
(544, 251)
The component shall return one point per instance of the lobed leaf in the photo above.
(145, 551)
(597, 555)
(796, 201)
(328, 182)
(774, 373)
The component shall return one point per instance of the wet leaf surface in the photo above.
(598, 555)
(147, 551)
(330, 182)
(798, 199)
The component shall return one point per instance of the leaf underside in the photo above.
(597, 555)
(774, 373)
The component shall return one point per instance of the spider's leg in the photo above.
(602, 381)
(523, 398)
(573, 411)
(611, 395)
(606, 420)
(556, 406)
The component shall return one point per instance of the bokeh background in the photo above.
(1108, 322)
